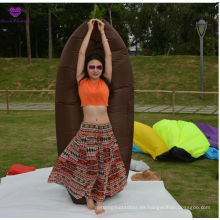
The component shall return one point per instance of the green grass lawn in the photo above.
(29, 138)
(150, 72)
(179, 73)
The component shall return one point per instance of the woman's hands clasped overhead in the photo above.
(101, 25)
(91, 23)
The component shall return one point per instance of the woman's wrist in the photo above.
(103, 36)
(90, 30)
(105, 40)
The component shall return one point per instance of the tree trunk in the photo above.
(110, 13)
(16, 49)
(50, 34)
(19, 45)
(36, 45)
(168, 52)
(27, 7)
(136, 49)
(213, 38)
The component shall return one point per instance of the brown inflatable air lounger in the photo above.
(68, 112)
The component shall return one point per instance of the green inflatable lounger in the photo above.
(69, 114)
(184, 139)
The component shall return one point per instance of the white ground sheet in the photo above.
(30, 195)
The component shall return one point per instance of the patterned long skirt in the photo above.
(91, 165)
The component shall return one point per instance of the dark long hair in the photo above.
(99, 58)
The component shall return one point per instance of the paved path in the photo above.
(137, 108)
(178, 109)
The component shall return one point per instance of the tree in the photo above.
(110, 13)
(49, 33)
(136, 18)
(159, 28)
(27, 25)
(98, 12)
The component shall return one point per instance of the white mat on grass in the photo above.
(29, 195)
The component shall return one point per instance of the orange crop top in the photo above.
(93, 93)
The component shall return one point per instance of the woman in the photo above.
(91, 165)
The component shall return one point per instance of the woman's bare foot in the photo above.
(98, 208)
(90, 204)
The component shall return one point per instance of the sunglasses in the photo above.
(92, 67)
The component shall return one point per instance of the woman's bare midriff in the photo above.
(96, 114)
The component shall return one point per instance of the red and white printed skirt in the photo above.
(91, 165)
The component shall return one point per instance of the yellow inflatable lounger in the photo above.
(147, 140)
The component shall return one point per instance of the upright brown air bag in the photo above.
(69, 114)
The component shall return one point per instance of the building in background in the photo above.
(134, 50)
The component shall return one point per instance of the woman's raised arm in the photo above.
(81, 57)
(108, 53)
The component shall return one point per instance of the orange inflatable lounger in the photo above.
(69, 114)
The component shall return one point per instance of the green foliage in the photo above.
(186, 48)
(99, 11)
(170, 27)
(160, 28)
